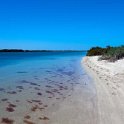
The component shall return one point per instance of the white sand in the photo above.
(109, 81)
(79, 108)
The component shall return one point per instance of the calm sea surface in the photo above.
(15, 58)
(32, 83)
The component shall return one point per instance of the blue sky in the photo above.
(61, 24)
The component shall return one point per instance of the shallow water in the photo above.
(33, 84)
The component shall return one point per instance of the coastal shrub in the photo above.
(109, 53)
(114, 53)
(94, 51)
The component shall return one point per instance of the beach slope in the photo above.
(109, 82)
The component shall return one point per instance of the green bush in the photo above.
(96, 51)
(115, 53)
(109, 53)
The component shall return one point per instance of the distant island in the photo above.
(21, 50)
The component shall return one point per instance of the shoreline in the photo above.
(108, 78)
(54, 93)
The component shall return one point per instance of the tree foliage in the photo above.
(94, 51)
(108, 53)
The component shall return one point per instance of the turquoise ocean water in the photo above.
(40, 80)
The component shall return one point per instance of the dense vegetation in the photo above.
(109, 53)
(94, 51)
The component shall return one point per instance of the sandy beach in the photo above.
(109, 83)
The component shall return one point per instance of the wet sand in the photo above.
(109, 82)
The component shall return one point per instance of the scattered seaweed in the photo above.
(54, 90)
(20, 87)
(37, 101)
(12, 105)
(19, 90)
(48, 71)
(50, 97)
(57, 98)
(34, 84)
(25, 82)
(17, 100)
(40, 94)
(2, 89)
(48, 86)
(28, 122)
(50, 93)
(41, 108)
(36, 78)
(45, 106)
(36, 88)
(12, 92)
(44, 118)
(4, 99)
(7, 121)
(61, 71)
(40, 103)
(10, 109)
(34, 108)
(29, 101)
(27, 117)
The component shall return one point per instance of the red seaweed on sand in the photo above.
(28, 122)
(7, 121)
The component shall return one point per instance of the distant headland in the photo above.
(21, 50)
